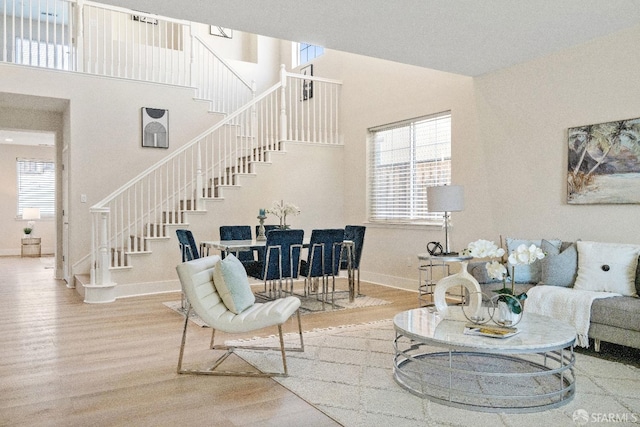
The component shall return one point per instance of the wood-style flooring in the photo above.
(67, 363)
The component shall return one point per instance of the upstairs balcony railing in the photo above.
(104, 40)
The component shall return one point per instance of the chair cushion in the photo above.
(607, 267)
(558, 268)
(231, 282)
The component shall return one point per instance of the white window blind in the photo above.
(36, 186)
(404, 159)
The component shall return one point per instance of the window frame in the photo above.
(317, 52)
(48, 205)
(418, 172)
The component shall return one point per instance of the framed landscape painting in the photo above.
(604, 166)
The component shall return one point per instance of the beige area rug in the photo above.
(347, 372)
(308, 305)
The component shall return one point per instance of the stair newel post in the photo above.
(199, 178)
(100, 289)
(283, 104)
(103, 274)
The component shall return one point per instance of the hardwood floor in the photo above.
(64, 362)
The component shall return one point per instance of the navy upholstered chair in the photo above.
(323, 261)
(267, 228)
(188, 247)
(240, 232)
(355, 233)
(188, 251)
(282, 259)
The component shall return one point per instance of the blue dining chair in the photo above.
(267, 228)
(282, 260)
(355, 233)
(323, 261)
(187, 244)
(240, 232)
(188, 252)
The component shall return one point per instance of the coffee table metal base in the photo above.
(488, 382)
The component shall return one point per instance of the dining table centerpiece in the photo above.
(281, 210)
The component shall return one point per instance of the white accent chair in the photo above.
(196, 277)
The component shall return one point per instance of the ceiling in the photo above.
(468, 37)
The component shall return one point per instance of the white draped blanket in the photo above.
(569, 305)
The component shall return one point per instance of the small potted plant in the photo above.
(27, 231)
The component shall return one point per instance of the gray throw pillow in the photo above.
(530, 273)
(558, 268)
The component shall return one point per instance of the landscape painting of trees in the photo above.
(603, 163)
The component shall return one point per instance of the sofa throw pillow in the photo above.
(527, 273)
(558, 268)
(231, 282)
(607, 267)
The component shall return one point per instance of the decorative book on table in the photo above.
(491, 331)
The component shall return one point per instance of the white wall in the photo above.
(524, 113)
(509, 145)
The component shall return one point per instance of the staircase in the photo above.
(159, 199)
(93, 38)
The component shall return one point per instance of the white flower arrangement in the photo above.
(281, 210)
(522, 255)
(483, 249)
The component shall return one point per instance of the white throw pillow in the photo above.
(607, 267)
(231, 282)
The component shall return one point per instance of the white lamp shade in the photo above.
(31, 213)
(446, 198)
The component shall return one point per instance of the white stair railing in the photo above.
(99, 39)
(216, 81)
(159, 197)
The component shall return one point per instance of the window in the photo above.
(308, 52)
(404, 159)
(36, 186)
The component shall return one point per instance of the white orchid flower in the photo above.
(524, 255)
(484, 249)
(496, 270)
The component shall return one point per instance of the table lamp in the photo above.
(446, 198)
(31, 214)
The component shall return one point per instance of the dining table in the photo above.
(233, 246)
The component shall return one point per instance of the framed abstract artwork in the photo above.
(603, 163)
(155, 127)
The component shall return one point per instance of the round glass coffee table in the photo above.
(527, 372)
